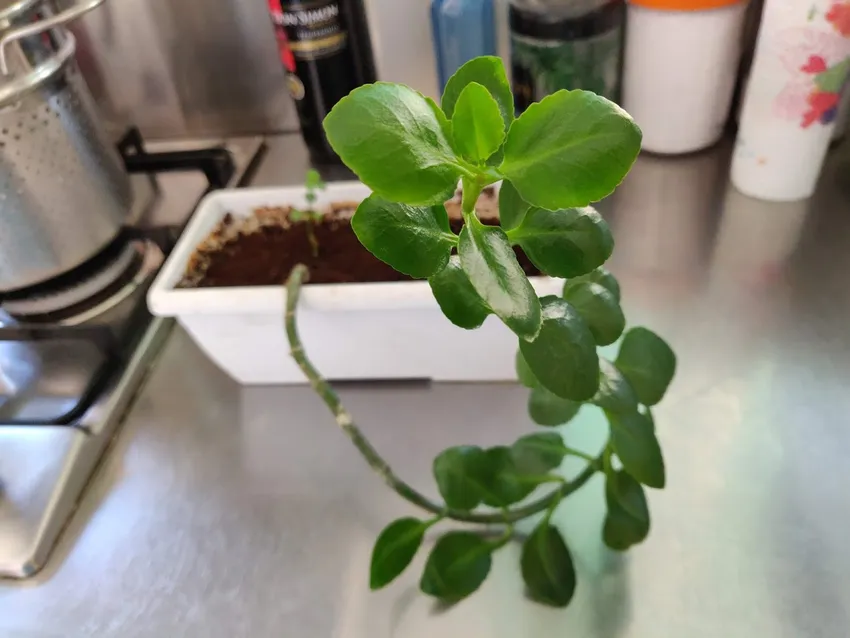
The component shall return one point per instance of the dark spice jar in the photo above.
(325, 48)
(558, 44)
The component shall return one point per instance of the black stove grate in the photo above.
(218, 166)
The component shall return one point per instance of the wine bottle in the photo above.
(326, 51)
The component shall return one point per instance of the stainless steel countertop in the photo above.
(225, 511)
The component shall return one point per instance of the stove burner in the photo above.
(74, 298)
(82, 344)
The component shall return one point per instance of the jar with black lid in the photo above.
(564, 44)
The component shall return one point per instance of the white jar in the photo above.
(681, 60)
(790, 107)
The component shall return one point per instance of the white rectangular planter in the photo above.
(389, 330)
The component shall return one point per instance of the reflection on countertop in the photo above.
(228, 511)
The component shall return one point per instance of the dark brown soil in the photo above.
(265, 256)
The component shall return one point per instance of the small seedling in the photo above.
(564, 152)
(312, 215)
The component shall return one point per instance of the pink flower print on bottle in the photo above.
(800, 66)
(818, 63)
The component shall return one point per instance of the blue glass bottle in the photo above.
(463, 29)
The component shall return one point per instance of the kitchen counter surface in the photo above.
(227, 512)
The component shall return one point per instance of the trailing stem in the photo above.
(297, 278)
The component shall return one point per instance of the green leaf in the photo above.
(599, 276)
(624, 492)
(456, 567)
(456, 296)
(512, 209)
(489, 72)
(549, 409)
(570, 149)
(645, 411)
(395, 142)
(635, 444)
(313, 180)
(414, 240)
(477, 125)
(599, 309)
(523, 372)
(491, 266)
(394, 549)
(564, 243)
(627, 521)
(547, 567)
(614, 394)
(504, 484)
(648, 364)
(460, 473)
(539, 453)
(563, 356)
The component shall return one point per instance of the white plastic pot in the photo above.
(391, 330)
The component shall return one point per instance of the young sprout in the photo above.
(312, 215)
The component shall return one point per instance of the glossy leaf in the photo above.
(477, 123)
(456, 296)
(564, 243)
(599, 276)
(627, 520)
(546, 408)
(648, 364)
(539, 453)
(523, 372)
(512, 208)
(491, 266)
(460, 473)
(648, 414)
(488, 71)
(414, 240)
(547, 567)
(456, 566)
(395, 142)
(614, 394)
(623, 491)
(599, 309)
(570, 149)
(636, 445)
(505, 486)
(563, 356)
(394, 549)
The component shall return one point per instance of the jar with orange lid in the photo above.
(681, 61)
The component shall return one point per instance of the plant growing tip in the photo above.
(310, 215)
(563, 153)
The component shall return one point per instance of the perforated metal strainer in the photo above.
(64, 193)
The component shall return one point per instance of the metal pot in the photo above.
(64, 193)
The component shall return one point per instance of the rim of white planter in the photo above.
(167, 301)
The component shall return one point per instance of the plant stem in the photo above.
(580, 454)
(471, 192)
(293, 292)
(311, 237)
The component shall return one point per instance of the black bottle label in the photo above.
(314, 29)
(324, 46)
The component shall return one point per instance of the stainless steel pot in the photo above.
(64, 193)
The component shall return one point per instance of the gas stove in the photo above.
(74, 351)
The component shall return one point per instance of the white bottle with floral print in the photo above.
(800, 67)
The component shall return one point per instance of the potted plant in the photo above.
(387, 324)
(568, 150)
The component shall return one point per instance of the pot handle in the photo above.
(40, 26)
(11, 92)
